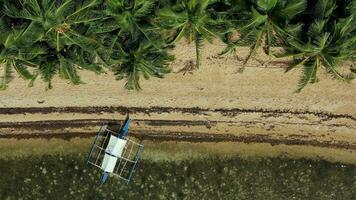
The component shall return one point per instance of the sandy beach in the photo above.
(213, 103)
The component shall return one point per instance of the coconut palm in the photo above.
(131, 46)
(18, 50)
(191, 19)
(127, 18)
(266, 20)
(141, 59)
(326, 42)
(123, 20)
(60, 25)
(130, 58)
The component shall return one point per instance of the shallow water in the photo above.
(67, 177)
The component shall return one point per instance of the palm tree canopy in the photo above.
(191, 19)
(267, 20)
(43, 38)
(141, 59)
(60, 28)
(326, 42)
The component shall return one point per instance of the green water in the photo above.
(67, 177)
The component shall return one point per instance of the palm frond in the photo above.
(269, 40)
(316, 28)
(198, 45)
(63, 9)
(344, 27)
(32, 80)
(293, 8)
(29, 10)
(306, 48)
(28, 54)
(143, 8)
(47, 70)
(256, 20)
(169, 18)
(290, 31)
(192, 20)
(330, 64)
(256, 44)
(83, 12)
(180, 34)
(82, 41)
(295, 63)
(31, 34)
(86, 60)
(133, 81)
(309, 73)
(6, 76)
(67, 71)
(105, 26)
(266, 5)
(4, 30)
(22, 70)
(144, 60)
(324, 8)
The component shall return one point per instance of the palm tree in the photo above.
(326, 42)
(265, 20)
(59, 25)
(17, 50)
(190, 19)
(127, 17)
(122, 20)
(131, 46)
(141, 59)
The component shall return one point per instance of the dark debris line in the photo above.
(155, 109)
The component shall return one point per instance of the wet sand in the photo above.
(177, 150)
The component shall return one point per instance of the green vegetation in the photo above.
(325, 42)
(67, 177)
(132, 38)
(131, 44)
(265, 20)
(192, 19)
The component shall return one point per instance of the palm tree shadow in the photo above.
(189, 67)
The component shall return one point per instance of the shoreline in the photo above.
(178, 151)
(195, 138)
